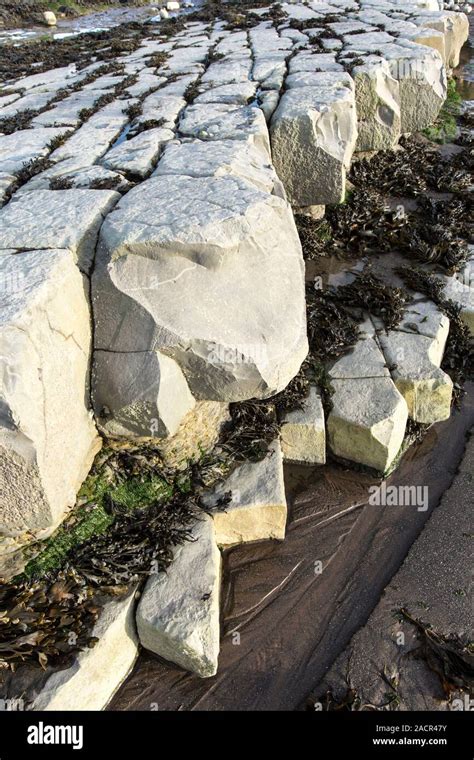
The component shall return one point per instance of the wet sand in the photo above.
(292, 622)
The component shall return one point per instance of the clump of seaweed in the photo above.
(156, 60)
(191, 92)
(422, 281)
(369, 293)
(60, 183)
(410, 171)
(314, 235)
(331, 329)
(447, 656)
(252, 428)
(86, 113)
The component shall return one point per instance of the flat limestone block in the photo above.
(303, 432)
(94, 137)
(414, 361)
(218, 121)
(45, 337)
(178, 613)
(258, 508)
(46, 219)
(138, 155)
(365, 359)
(96, 674)
(238, 158)
(23, 146)
(240, 93)
(367, 422)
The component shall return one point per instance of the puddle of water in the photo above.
(122, 136)
(100, 21)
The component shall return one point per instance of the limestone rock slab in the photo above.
(367, 422)
(257, 510)
(23, 146)
(216, 121)
(45, 337)
(177, 274)
(377, 95)
(303, 432)
(178, 613)
(313, 134)
(138, 155)
(47, 219)
(238, 158)
(414, 361)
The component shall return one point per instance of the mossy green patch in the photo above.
(93, 519)
(445, 127)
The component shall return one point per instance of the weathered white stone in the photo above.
(270, 70)
(268, 101)
(23, 146)
(170, 268)
(423, 317)
(367, 42)
(218, 159)
(257, 510)
(303, 432)
(365, 359)
(414, 362)
(313, 133)
(367, 422)
(431, 38)
(138, 155)
(178, 613)
(96, 673)
(31, 101)
(139, 394)
(377, 95)
(48, 219)
(162, 108)
(227, 72)
(239, 93)
(49, 18)
(349, 27)
(45, 424)
(314, 62)
(453, 26)
(7, 183)
(145, 82)
(51, 79)
(421, 75)
(216, 121)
